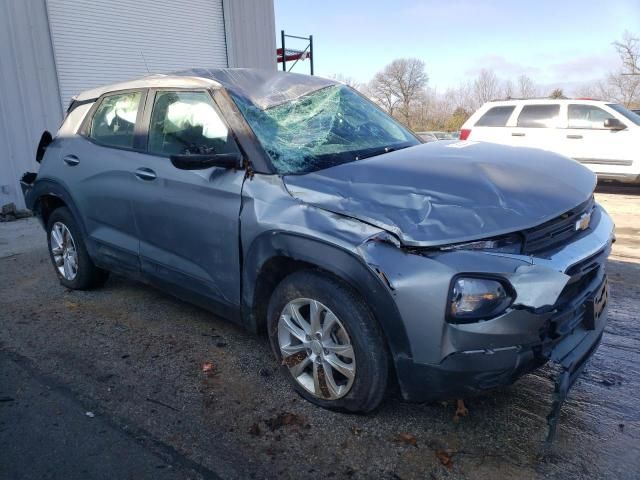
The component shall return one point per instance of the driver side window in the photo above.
(187, 123)
(587, 116)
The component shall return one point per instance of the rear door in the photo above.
(188, 220)
(538, 126)
(96, 167)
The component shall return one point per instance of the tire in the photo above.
(355, 327)
(65, 237)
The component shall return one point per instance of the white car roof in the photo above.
(150, 81)
(545, 101)
(264, 88)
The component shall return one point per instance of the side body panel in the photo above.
(273, 224)
(188, 227)
(101, 183)
(608, 153)
(188, 221)
(549, 138)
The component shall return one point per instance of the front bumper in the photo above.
(569, 336)
(551, 319)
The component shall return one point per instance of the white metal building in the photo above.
(51, 50)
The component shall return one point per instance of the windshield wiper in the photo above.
(380, 152)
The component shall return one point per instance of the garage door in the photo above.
(101, 42)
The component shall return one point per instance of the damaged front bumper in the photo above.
(559, 315)
(568, 338)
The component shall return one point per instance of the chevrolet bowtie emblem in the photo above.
(583, 222)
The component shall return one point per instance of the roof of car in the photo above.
(264, 88)
(543, 100)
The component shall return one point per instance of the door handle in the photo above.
(575, 137)
(145, 174)
(71, 160)
(517, 134)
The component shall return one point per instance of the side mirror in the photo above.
(200, 162)
(614, 124)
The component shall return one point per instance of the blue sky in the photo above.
(556, 43)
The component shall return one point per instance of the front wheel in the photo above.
(328, 342)
(69, 254)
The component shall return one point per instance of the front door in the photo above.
(188, 221)
(603, 150)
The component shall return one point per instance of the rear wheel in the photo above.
(69, 254)
(328, 343)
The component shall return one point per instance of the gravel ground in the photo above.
(135, 356)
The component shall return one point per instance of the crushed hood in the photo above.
(449, 192)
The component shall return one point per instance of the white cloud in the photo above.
(556, 68)
(584, 66)
(502, 67)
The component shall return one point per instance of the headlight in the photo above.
(508, 244)
(473, 299)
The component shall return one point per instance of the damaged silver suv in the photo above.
(292, 204)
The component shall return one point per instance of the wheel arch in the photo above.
(274, 255)
(47, 195)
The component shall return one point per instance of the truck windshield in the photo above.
(322, 129)
(634, 117)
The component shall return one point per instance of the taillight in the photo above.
(464, 133)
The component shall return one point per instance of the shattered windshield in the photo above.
(322, 129)
(634, 117)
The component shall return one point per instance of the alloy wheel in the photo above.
(316, 348)
(63, 249)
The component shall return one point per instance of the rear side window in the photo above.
(187, 122)
(495, 117)
(114, 121)
(587, 116)
(539, 116)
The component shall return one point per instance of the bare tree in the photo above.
(624, 85)
(629, 51)
(621, 86)
(399, 86)
(526, 87)
(380, 91)
(508, 89)
(624, 89)
(349, 81)
(587, 90)
(486, 86)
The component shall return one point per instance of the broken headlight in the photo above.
(472, 299)
(508, 244)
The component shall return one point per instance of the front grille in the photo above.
(555, 232)
(586, 278)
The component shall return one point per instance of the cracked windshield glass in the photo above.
(322, 129)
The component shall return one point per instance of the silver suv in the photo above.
(293, 205)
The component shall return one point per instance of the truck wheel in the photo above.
(328, 343)
(69, 254)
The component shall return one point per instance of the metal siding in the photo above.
(29, 96)
(251, 33)
(96, 43)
